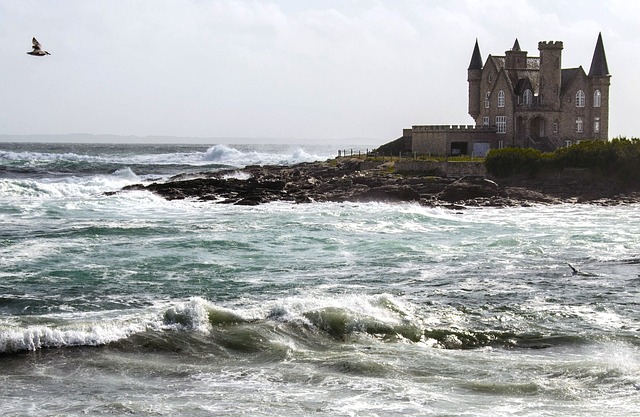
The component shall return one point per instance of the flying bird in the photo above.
(37, 49)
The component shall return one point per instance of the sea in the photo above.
(123, 303)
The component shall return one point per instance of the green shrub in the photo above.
(507, 162)
(619, 158)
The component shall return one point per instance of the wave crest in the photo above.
(228, 155)
(39, 337)
(270, 327)
(199, 315)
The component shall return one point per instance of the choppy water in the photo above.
(130, 304)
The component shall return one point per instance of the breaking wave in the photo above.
(303, 321)
(239, 158)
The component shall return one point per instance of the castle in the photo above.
(522, 101)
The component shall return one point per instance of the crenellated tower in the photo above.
(550, 73)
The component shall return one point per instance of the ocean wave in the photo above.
(72, 186)
(240, 158)
(145, 163)
(36, 164)
(310, 321)
(34, 338)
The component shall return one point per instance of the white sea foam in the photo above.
(70, 186)
(192, 315)
(21, 252)
(231, 156)
(81, 334)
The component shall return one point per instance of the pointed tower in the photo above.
(516, 58)
(474, 75)
(599, 67)
(600, 81)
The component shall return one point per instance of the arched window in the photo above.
(597, 98)
(527, 97)
(500, 98)
(486, 100)
(580, 98)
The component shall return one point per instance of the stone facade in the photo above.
(452, 140)
(522, 101)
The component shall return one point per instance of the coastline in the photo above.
(349, 180)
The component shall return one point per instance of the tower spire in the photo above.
(476, 58)
(599, 67)
(516, 46)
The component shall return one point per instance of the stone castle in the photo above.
(523, 101)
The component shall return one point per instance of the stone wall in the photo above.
(444, 140)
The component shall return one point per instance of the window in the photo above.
(596, 125)
(485, 121)
(555, 127)
(500, 144)
(486, 100)
(580, 98)
(500, 98)
(490, 78)
(579, 125)
(597, 98)
(568, 143)
(501, 124)
(527, 97)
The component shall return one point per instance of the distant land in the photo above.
(106, 138)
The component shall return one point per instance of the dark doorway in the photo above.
(459, 148)
(537, 128)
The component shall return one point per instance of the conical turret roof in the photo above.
(476, 59)
(599, 67)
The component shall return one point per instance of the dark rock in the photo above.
(343, 180)
(389, 193)
(463, 190)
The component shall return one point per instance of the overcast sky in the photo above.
(284, 69)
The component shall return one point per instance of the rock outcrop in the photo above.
(343, 180)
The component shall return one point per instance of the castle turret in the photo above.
(550, 73)
(599, 67)
(600, 82)
(516, 59)
(474, 75)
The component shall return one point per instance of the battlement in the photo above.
(453, 128)
(550, 45)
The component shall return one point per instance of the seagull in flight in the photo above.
(37, 49)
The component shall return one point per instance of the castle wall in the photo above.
(602, 112)
(570, 112)
(447, 140)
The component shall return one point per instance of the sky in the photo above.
(284, 69)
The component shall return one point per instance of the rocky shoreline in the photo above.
(343, 180)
